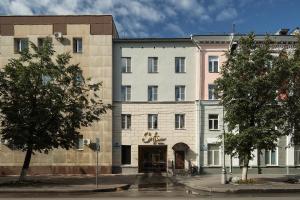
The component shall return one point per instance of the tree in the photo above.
(288, 67)
(248, 88)
(44, 101)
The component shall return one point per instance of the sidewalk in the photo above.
(67, 184)
(265, 183)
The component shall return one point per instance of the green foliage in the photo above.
(249, 84)
(289, 68)
(45, 100)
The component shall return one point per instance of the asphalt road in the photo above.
(151, 187)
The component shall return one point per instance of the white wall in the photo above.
(166, 78)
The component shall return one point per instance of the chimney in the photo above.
(282, 31)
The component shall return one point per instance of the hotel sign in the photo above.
(154, 138)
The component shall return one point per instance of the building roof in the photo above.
(138, 40)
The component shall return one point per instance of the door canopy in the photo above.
(180, 147)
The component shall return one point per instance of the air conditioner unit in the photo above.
(58, 35)
(86, 141)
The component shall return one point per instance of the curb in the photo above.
(233, 190)
(112, 189)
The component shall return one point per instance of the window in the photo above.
(213, 64)
(179, 121)
(211, 92)
(80, 143)
(152, 64)
(126, 64)
(180, 93)
(126, 93)
(41, 41)
(77, 45)
(20, 44)
(126, 155)
(213, 122)
(297, 154)
(126, 121)
(179, 64)
(152, 121)
(213, 154)
(271, 157)
(152, 93)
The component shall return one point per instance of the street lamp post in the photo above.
(224, 174)
(97, 160)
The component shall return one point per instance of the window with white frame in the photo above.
(126, 64)
(152, 121)
(213, 122)
(179, 93)
(271, 157)
(297, 154)
(179, 64)
(126, 121)
(211, 92)
(80, 143)
(126, 92)
(77, 45)
(213, 154)
(21, 44)
(152, 64)
(152, 92)
(179, 121)
(213, 64)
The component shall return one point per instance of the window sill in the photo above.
(126, 129)
(275, 165)
(214, 129)
(180, 72)
(78, 53)
(152, 72)
(213, 166)
(126, 72)
(214, 72)
(152, 129)
(180, 129)
(126, 165)
(79, 149)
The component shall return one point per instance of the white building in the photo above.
(154, 110)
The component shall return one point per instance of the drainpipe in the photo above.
(198, 100)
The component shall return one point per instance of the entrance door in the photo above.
(179, 159)
(152, 158)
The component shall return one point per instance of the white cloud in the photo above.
(173, 28)
(19, 8)
(133, 17)
(227, 14)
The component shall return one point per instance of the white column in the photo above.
(289, 152)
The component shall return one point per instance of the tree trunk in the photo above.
(26, 164)
(245, 169)
(258, 162)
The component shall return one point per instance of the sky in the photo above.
(172, 18)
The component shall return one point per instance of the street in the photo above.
(151, 186)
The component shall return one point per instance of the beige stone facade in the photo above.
(166, 130)
(96, 62)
